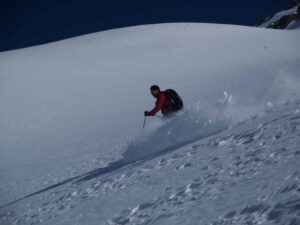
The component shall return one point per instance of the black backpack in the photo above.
(174, 98)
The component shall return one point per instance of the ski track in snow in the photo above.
(261, 154)
(64, 150)
(249, 154)
(138, 152)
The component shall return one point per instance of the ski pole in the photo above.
(144, 122)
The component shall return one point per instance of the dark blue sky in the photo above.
(30, 22)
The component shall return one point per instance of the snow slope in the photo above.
(71, 115)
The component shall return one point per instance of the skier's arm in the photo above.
(160, 101)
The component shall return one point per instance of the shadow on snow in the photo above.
(170, 136)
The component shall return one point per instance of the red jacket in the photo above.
(162, 103)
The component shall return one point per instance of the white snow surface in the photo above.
(73, 150)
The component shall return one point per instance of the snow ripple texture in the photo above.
(248, 174)
(73, 151)
(256, 162)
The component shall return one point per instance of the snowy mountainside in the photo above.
(286, 19)
(72, 147)
(247, 174)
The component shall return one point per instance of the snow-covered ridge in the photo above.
(286, 19)
(71, 108)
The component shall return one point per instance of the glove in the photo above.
(146, 113)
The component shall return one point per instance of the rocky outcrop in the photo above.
(286, 19)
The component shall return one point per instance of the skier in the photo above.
(168, 101)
